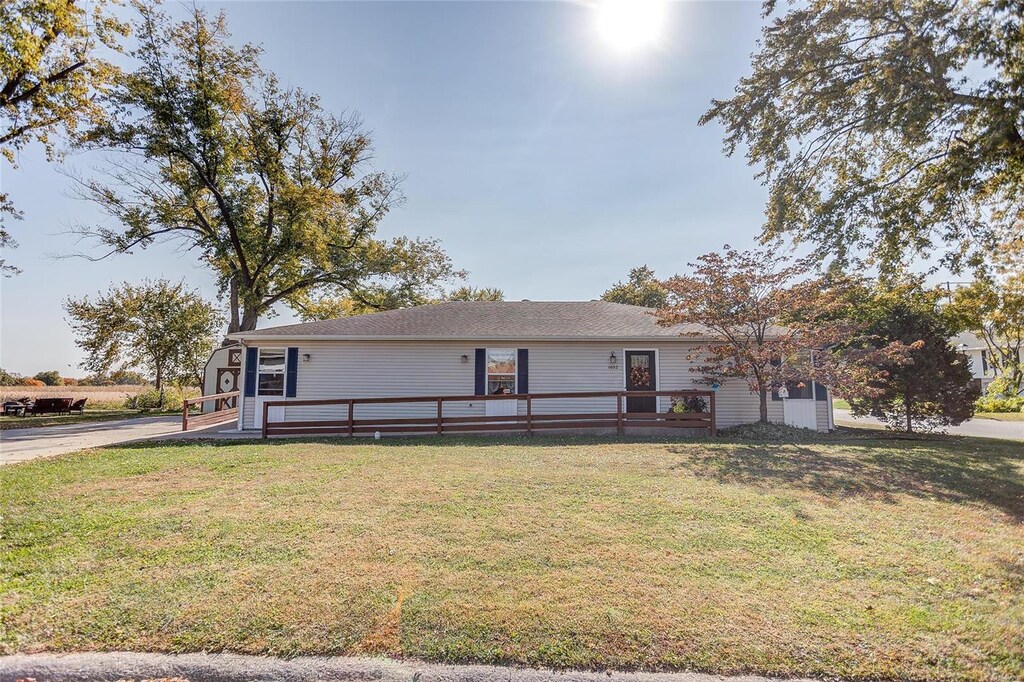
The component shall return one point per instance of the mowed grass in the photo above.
(1001, 416)
(850, 558)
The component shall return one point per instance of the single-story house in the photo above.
(482, 348)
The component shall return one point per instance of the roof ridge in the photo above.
(489, 319)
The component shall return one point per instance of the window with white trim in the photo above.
(270, 372)
(501, 371)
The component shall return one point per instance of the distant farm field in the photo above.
(103, 404)
(101, 395)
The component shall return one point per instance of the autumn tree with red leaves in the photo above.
(773, 319)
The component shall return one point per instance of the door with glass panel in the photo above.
(269, 383)
(641, 375)
(501, 380)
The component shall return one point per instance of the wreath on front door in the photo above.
(639, 376)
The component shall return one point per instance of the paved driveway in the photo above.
(19, 445)
(984, 428)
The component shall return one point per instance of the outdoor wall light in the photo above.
(306, 357)
(612, 360)
(465, 359)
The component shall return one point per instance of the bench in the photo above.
(50, 406)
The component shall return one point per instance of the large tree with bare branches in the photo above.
(275, 194)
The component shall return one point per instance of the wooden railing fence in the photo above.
(529, 421)
(222, 414)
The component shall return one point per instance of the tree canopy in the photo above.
(274, 193)
(766, 314)
(932, 387)
(894, 127)
(642, 289)
(468, 293)
(49, 76)
(162, 327)
(993, 309)
(330, 308)
(50, 377)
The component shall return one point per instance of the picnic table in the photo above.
(15, 409)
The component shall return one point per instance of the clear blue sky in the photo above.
(546, 162)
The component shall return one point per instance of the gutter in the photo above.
(246, 337)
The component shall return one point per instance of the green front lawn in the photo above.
(854, 558)
(1001, 416)
(840, 404)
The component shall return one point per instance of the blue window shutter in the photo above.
(291, 372)
(775, 395)
(523, 371)
(820, 392)
(250, 371)
(481, 372)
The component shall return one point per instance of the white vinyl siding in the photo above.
(821, 413)
(368, 369)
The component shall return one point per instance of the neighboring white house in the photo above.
(484, 348)
(977, 352)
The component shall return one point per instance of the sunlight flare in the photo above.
(630, 25)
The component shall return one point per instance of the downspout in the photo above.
(241, 387)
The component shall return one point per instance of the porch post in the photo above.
(714, 417)
(266, 411)
(529, 414)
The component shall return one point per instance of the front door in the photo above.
(501, 408)
(641, 375)
(274, 414)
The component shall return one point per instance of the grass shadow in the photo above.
(850, 463)
(962, 470)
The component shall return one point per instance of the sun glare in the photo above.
(629, 25)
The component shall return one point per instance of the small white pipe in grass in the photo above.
(376, 435)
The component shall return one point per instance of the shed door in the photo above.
(641, 375)
(800, 412)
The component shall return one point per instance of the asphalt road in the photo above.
(101, 667)
(21, 445)
(984, 428)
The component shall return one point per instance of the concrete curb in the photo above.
(110, 667)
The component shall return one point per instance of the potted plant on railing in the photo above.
(682, 407)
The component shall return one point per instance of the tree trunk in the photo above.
(160, 385)
(249, 318)
(233, 304)
(762, 394)
(910, 423)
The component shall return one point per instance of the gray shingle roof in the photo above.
(490, 320)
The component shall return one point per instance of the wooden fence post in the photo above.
(351, 417)
(440, 410)
(529, 414)
(714, 417)
(184, 415)
(618, 414)
(266, 412)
